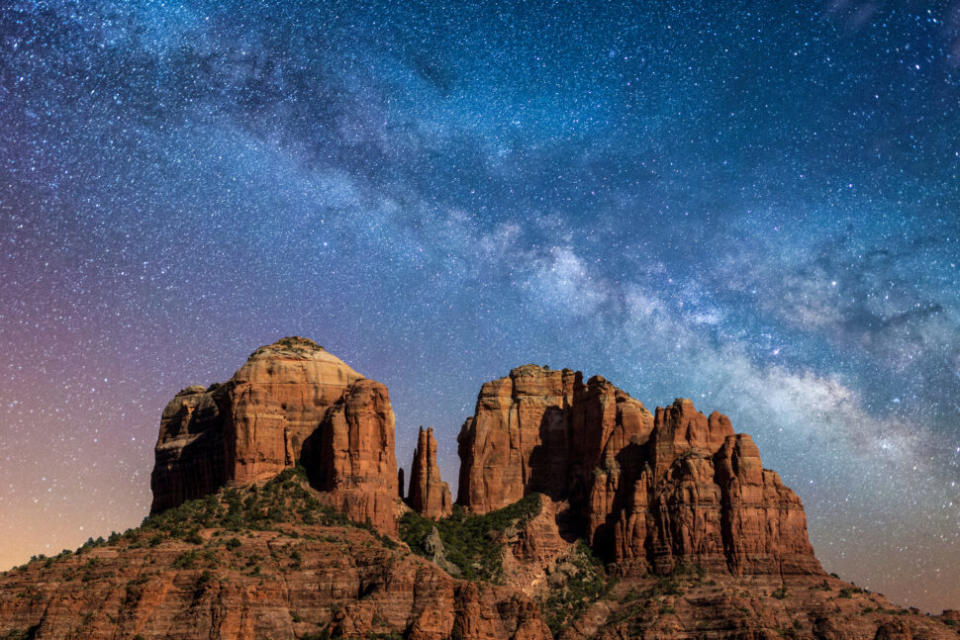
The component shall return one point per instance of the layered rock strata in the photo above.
(341, 581)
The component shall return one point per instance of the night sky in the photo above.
(755, 205)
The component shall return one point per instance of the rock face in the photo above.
(429, 494)
(351, 456)
(292, 402)
(700, 541)
(649, 491)
(517, 441)
(339, 579)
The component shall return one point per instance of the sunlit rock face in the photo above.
(429, 494)
(291, 403)
(649, 491)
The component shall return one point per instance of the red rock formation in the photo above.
(275, 402)
(762, 519)
(671, 492)
(517, 440)
(353, 459)
(429, 494)
(269, 585)
(191, 451)
(291, 402)
(649, 492)
(543, 430)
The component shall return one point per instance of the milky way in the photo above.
(753, 205)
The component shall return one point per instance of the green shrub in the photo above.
(134, 590)
(585, 584)
(204, 580)
(665, 586)
(283, 499)
(692, 571)
(185, 560)
(469, 540)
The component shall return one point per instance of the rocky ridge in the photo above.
(649, 492)
(278, 513)
(253, 563)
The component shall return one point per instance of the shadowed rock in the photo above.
(292, 402)
(650, 492)
(429, 494)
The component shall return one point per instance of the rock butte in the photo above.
(649, 491)
(291, 403)
(655, 495)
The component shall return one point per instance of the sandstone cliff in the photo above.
(429, 494)
(291, 403)
(272, 561)
(650, 492)
(585, 516)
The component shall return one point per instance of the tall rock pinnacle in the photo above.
(429, 494)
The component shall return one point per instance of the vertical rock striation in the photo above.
(292, 402)
(649, 491)
(351, 455)
(429, 494)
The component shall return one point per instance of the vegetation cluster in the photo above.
(474, 543)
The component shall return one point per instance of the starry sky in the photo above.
(752, 204)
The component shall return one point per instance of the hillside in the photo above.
(278, 514)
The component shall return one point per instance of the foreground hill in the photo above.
(267, 562)
(278, 513)
(274, 562)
